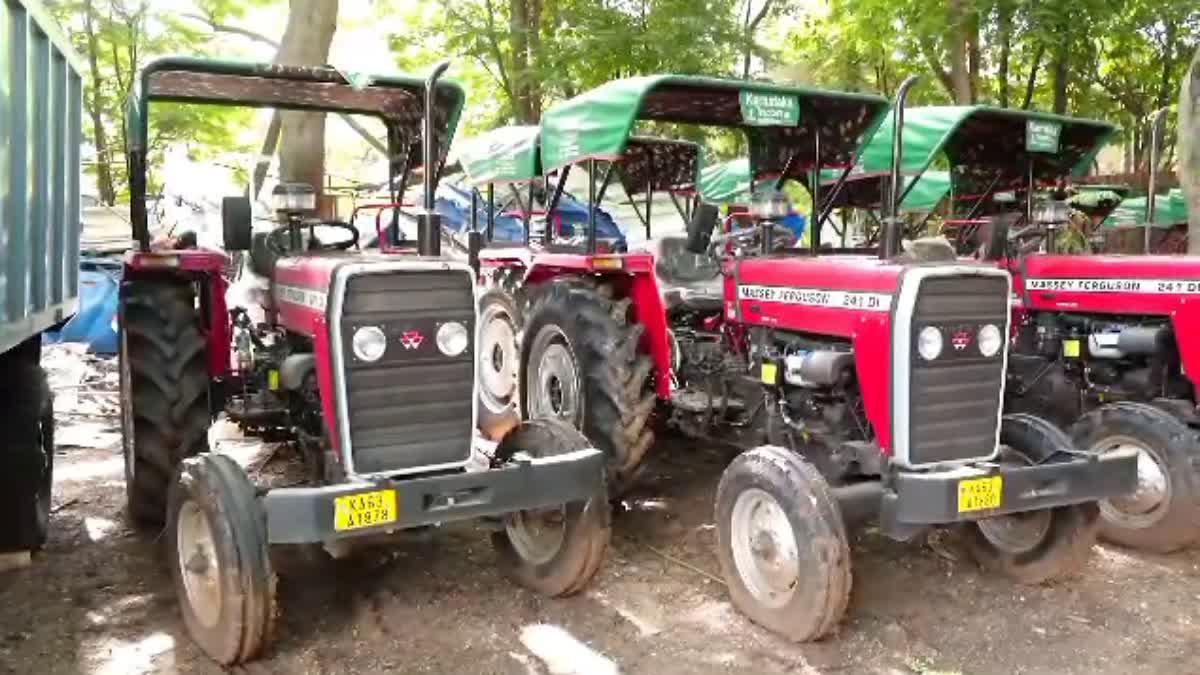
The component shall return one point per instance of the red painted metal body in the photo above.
(1145, 285)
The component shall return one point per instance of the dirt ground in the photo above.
(99, 601)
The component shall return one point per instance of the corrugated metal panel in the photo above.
(40, 133)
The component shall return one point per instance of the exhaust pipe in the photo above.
(429, 224)
(890, 244)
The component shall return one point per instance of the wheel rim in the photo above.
(537, 536)
(498, 355)
(1148, 503)
(1018, 532)
(764, 548)
(555, 377)
(198, 563)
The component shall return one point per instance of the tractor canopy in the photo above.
(986, 146)
(785, 125)
(1170, 209)
(730, 183)
(512, 155)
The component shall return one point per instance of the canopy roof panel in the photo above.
(982, 142)
(780, 121)
(399, 99)
(506, 154)
(1169, 209)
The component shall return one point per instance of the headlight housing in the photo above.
(990, 340)
(452, 338)
(293, 198)
(369, 343)
(929, 343)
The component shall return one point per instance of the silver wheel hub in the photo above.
(537, 536)
(1145, 505)
(555, 390)
(198, 563)
(764, 548)
(499, 359)
(1019, 532)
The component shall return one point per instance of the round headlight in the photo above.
(929, 343)
(369, 343)
(452, 338)
(989, 340)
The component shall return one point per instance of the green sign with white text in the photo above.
(760, 109)
(1042, 136)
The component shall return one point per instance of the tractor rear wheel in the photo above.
(1163, 514)
(26, 449)
(580, 363)
(218, 554)
(1035, 546)
(782, 544)
(554, 551)
(165, 412)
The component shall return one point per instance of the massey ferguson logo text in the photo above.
(301, 296)
(411, 339)
(1153, 286)
(960, 340)
(817, 297)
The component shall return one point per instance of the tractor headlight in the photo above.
(929, 343)
(990, 340)
(452, 338)
(369, 343)
(293, 198)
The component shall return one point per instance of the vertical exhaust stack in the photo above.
(890, 244)
(429, 224)
(1156, 134)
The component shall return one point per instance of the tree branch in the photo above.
(1033, 72)
(935, 65)
(232, 30)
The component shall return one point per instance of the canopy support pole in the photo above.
(787, 170)
(814, 189)
(1156, 132)
(398, 196)
(984, 197)
(591, 235)
(491, 212)
(834, 194)
(649, 191)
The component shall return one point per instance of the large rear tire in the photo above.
(26, 449)
(165, 412)
(1163, 515)
(218, 554)
(782, 544)
(556, 551)
(580, 363)
(1036, 546)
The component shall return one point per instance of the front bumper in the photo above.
(306, 515)
(914, 500)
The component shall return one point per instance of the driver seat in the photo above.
(686, 280)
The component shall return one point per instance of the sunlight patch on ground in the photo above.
(646, 626)
(98, 528)
(563, 654)
(119, 657)
(113, 467)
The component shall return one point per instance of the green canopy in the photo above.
(1169, 210)
(782, 123)
(502, 155)
(729, 183)
(983, 143)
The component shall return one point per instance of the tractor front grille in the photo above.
(955, 399)
(413, 408)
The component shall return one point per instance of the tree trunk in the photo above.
(960, 78)
(104, 178)
(973, 55)
(306, 41)
(1062, 73)
(749, 27)
(1188, 130)
(1004, 35)
(1033, 73)
(518, 27)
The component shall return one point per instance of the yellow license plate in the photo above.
(770, 373)
(978, 494)
(1070, 349)
(365, 509)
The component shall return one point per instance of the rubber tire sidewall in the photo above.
(1067, 545)
(221, 489)
(822, 594)
(1174, 445)
(495, 423)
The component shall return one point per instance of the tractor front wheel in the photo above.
(581, 364)
(782, 544)
(26, 449)
(1163, 514)
(1036, 546)
(164, 390)
(553, 551)
(218, 554)
(500, 323)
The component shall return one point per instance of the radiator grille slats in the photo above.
(414, 407)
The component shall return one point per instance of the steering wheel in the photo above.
(315, 244)
(782, 237)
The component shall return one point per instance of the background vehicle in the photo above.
(366, 363)
(1100, 342)
(40, 114)
(877, 377)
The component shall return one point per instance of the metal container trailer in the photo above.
(40, 130)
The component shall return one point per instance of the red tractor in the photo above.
(876, 377)
(1100, 342)
(365, 363)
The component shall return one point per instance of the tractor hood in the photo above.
(1108, 283)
